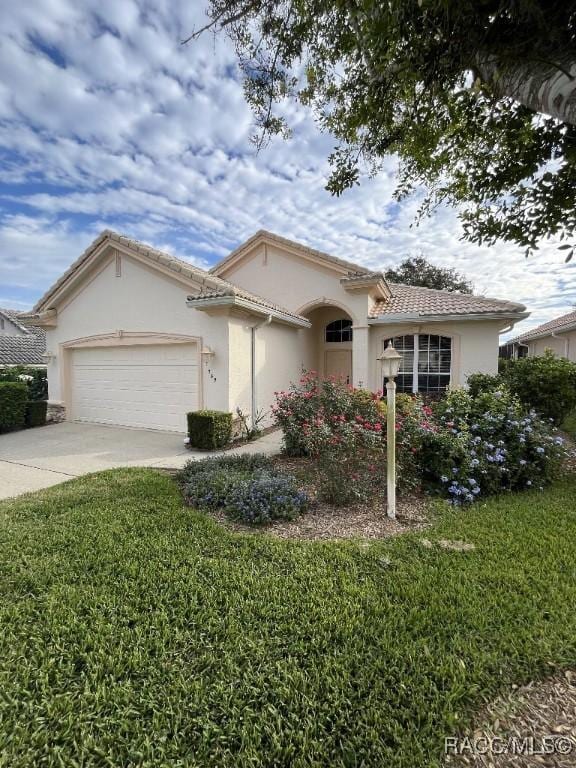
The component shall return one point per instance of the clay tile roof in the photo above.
(562, 323)
(211, 286)
(412, 300)
(362, 277)
(25, 348)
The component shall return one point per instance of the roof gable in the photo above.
(203, 285)
(12, 316)
(263, 237)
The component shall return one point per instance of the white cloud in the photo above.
(108, 121)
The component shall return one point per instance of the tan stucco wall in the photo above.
(278, 362)
(294, 282)
(300, 285)
(557, 344)
(140, 300)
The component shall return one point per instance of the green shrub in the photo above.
(264, 498)
(13, 398)
(246, 486)
(35, 413)
(545, 383)
(242, 462)
(206, 483)
(209, 430)
(479, 383)
(347, 455)
(311, 398)
(36, 379)
(210, 488)
(489, 444)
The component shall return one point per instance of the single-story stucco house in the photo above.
(20, 344)
(136, 337)
(558, 335)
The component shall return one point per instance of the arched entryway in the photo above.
(329, 342)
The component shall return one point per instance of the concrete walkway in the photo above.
(37, 458)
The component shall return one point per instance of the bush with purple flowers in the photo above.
(247, 487)
(264, 498)
(489, 444)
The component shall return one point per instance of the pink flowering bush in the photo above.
(341, 429)
(464, 447)
(297, 407)
(348, 454)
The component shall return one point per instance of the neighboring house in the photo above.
(559, 335)
(137, 337)
(20, 344)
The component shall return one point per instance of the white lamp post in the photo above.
(390, 360)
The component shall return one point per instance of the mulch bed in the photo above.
(542, 713)
(325, 522)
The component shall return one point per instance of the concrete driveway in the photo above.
(37, 458)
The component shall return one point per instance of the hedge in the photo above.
(35, 413)
(36, 379)
(13, 398)
(209, 430)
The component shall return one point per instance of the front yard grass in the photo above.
(136, 632)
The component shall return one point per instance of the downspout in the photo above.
(253, 329)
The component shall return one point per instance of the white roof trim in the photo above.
(257, 309)
(399, 317)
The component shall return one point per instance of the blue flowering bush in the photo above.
(247, 487)
(264, 498)
(489, 444)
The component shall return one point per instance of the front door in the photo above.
(338, 363)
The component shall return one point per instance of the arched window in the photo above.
(433, 354)
(339, 330)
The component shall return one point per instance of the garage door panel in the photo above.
(150, 386)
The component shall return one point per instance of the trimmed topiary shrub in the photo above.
(36, 379)
(35, 413)
(209, 430)
(13, 398)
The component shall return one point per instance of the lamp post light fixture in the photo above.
(390, 360)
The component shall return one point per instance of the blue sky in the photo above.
(106, 121)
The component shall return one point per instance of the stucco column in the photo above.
(360, 356)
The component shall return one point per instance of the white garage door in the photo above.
(135, 386)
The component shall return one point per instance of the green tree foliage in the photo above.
(475, 97)
(416, 270)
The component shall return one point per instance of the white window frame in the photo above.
(416, 355)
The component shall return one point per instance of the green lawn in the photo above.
(134, 632)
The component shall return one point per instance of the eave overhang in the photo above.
(214, 302)
(46, 319)
(414, 317)
(542, 335)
